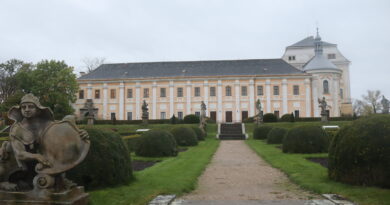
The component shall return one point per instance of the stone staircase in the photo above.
(231, 131)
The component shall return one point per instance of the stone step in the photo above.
(231, 137)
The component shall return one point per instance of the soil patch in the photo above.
(320, 160)
(141, 165)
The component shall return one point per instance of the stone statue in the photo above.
(323, 105)
(385, 105)
(259, 115)
(202, 122)
(90, 115)
(39, 152)
(145, 113)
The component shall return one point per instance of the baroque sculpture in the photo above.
(145, 113)
(202, 122)
(323, 105)
(259, 115)
(39, 152)
(385, 105)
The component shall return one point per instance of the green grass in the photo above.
(176, 175)
(314, 177)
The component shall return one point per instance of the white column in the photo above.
(137, 100)
(314, 85)
(251, 97)
(188, 97)
(238, 93)
(284, 93)
(268, 93)
(206, 95)
(171, 90)
(154, 100)
(308, 104)
(89, 91)
(219, 98)
(347, 88)
(105, 99)
(335, 94)
(121, 100)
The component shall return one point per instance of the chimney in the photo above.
(82, 73)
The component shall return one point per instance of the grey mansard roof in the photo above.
(309, 42)
(192, 69)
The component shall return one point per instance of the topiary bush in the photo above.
(107, 163)
(191, 119)
(261, 132)
(360, 153)
(270, 117)
(156, 143)
(276, 135)
(200, 135)
(287, 118)
(184, 136)
(305, 139)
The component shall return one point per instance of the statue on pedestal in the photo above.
(385, 105)
(202, 122)
(323, 105)
(259, 115)
(145, 113)
(39, 152)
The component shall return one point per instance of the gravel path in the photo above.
(238, 173)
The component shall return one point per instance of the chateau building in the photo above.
(310, 69)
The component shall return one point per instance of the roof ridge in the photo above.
(195, 61)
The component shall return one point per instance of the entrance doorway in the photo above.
(213, 116)
(244, 115)
(229, 116)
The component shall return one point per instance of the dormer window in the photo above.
(331, 56)
(291, 58)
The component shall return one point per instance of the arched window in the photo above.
(326, 87)
(228, 91)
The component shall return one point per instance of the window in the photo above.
(276, 113)
(212, 91)
(331, 56)
(296, 89)
(276, 90)
(97, 94)
(81, 94)
(260, 90)
(129, 93)
(146, 92)
(244, 91)
(129, 116)
(197, 91)
(197, 114)
(228, 91)
(113, 116)
(296, 114)
(341, 94)
(112, 93)
(326, 87)
(291, 58)
(163, 93)
(179, 92)
(163, 115)
(180, 115)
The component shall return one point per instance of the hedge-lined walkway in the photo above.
(237, 173)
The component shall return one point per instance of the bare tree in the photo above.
(373, 99)
(92, 63)
(361, 108)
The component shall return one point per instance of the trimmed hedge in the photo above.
(287, 118)
(191, 119)
(360, 153)
(270, 117)
(184, 136)
(276, 135)
(261, 132)
(107, 163)
(124, 122)
(156, 143)
(131, 141)
(305, 139)
(200, 135)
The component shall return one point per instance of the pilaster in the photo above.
(188, 95)
(89, 91)
(154, 100)
(171, 92)
(105, 100)
(251, 97)
(237, 92)
(268, 93)
(219, 99)
(206, 95)
(121, 100)
(137, 100)
(307, 99)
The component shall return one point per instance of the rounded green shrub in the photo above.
(270, 117)
(305, 139)
(191, 119)
(184, 136)
(107, 163)
(360, 153)
(200, 135)
(276, 135)
(287, 118)
(156, 143)
(261, 132)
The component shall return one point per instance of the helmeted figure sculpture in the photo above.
(39, 152)
(259, 115)
(145, 113)
(202, 121)
(323, 105)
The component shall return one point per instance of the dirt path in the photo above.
(237, 173)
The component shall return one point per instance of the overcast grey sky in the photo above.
(175, 30)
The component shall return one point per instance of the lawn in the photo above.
(174, 175)
(312, 176)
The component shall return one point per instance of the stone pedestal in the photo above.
(74, 196)
(324, 118)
